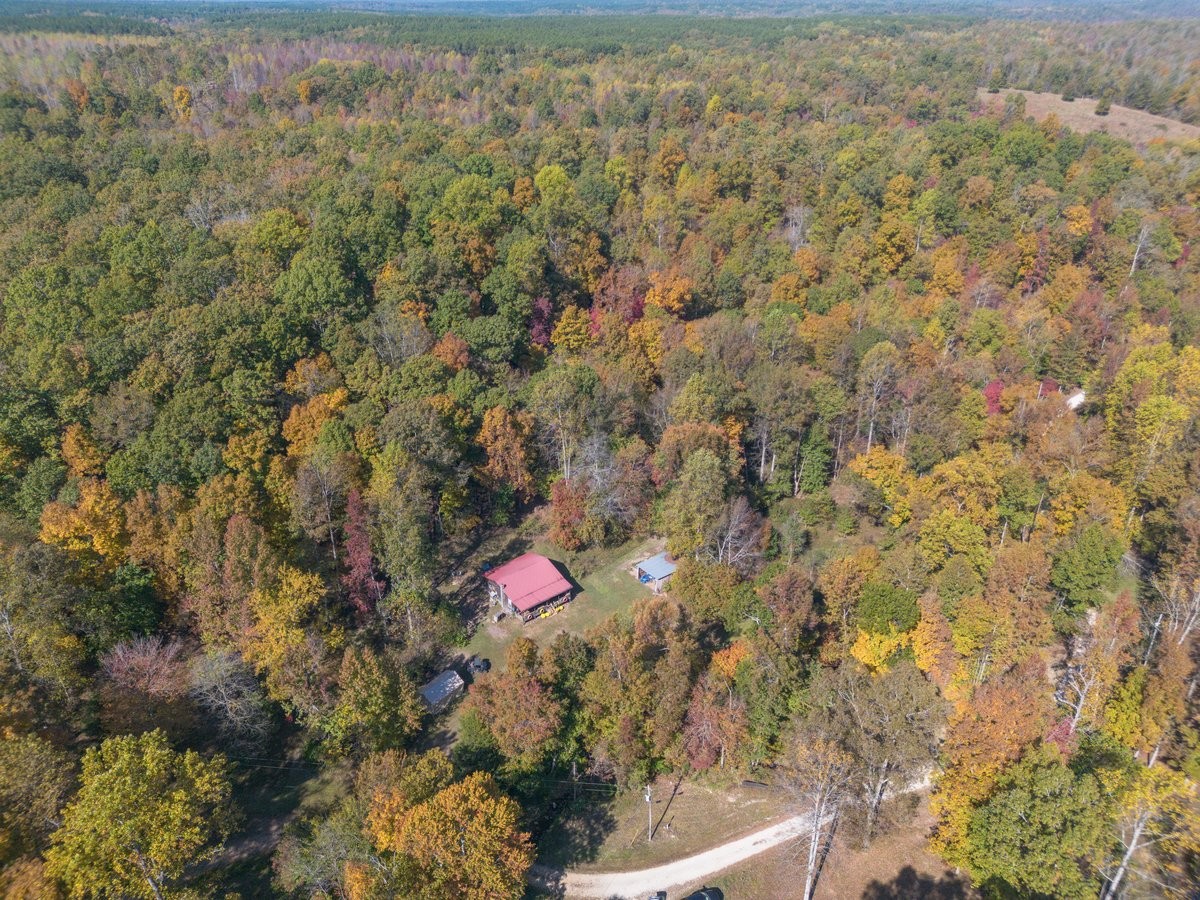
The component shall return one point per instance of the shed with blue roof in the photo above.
(655, 572)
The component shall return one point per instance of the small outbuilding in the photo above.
(530, 586)
(655, 572)
(443, 690)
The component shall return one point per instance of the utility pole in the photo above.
(649, 815)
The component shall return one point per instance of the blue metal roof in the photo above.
(657, 566)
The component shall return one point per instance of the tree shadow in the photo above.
(438, 736)
(269, 792)
(469, 593)
(545, 883)
(576, 587)
(910, 884)
(674, 793)
(579, 832)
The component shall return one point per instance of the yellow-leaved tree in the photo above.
(278, 644)
(889, 473)
(440, 839)
(143, 814)
(96, 524)
(466, 841)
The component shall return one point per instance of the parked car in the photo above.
(658, 895)
(479, 664)
(707, 894)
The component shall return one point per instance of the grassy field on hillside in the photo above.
(1079, 114)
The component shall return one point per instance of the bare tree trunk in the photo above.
(1153, 639)
(1037, 512)
(145, 870)
(873, 804)
(1153, 758)
(981, 670)
(1137, 250)
(1114, 885)
(810, 870)
(332, 533)
(10, 632)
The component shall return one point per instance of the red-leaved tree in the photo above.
(364, 588)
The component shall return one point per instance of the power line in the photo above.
(246, 765)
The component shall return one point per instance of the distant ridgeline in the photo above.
(1142, 64)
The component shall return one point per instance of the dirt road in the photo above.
(636, 885)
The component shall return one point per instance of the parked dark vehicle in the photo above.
(707, 894)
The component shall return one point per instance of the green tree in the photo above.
(38, 596)
(1042, 832)
(269, 245)
(693, 508)
(35, 780)
(143, 814)
(465, 223)
(884, 607)
(562, 401)
(311, 294)
(1086, 566)
(378, 706)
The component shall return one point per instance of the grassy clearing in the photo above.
(774, 873)
(1079, 114)
(600, 835)
(600, 575)
(605, 587)
(897, 865)
(271, 792)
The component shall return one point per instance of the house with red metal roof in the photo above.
(528, 586)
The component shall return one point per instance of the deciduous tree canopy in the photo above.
(307, 316)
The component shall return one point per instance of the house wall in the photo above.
(497, 592)
(538, 610)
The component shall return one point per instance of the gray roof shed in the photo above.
(657, 567)
(443, 689)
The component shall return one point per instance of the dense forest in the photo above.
(305, 317)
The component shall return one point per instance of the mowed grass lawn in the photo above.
(602, 835)
(605, 588)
